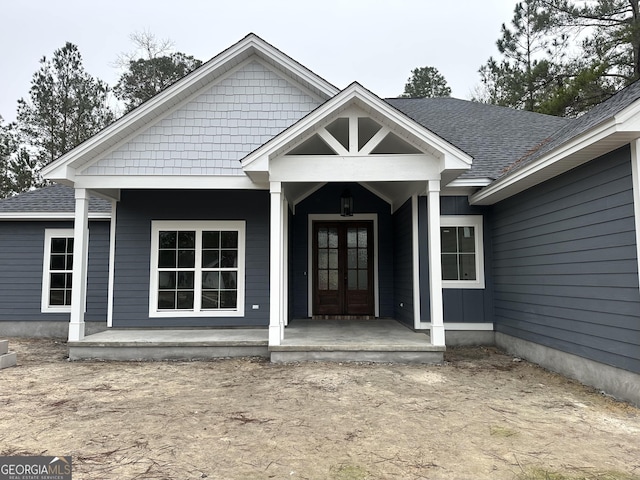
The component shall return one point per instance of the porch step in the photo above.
(144, 345)
(7, 359)
(358, 353)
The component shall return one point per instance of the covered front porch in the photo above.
(383, 340)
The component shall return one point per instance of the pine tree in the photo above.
(66, 106)
(426, 82)
(150, 69)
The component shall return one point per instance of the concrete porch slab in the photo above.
(305, 340)
(379, 340)
(187, 344)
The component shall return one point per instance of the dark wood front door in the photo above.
(343, 268)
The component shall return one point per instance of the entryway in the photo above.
(342, 272)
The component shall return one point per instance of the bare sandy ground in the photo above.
(480, 415)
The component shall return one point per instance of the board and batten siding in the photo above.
(565, 264)
(214, 131)
(135, 213)
(21, 260)
(403, 264)
(460, 305)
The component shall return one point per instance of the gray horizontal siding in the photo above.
(565, 265)
(136, 211)
(21, 265)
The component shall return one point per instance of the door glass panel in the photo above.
(322, 238)
(352, 238)
(352, 281)
(362, 258)
(352, 258)
(333, 258)
(362, 280)
(323, 259)
(323, 279)
(362, 237)
(333, 237)
(333, 280)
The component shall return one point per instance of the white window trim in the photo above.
(474, 221)
(49, 234)
(198, 226)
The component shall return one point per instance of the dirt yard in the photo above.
(480, 415)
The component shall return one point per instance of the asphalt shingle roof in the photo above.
(494, 136)
(51, 199)
(598, 114)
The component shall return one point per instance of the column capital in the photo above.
(275, 187)
(433, 186)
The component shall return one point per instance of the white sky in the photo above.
(374, 42)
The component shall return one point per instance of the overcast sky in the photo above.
(374, 42)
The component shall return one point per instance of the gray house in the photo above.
(253, 197)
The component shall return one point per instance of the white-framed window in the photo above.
(462, 251)
(197, 269)
(57, 271)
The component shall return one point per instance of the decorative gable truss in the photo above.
(357, 137)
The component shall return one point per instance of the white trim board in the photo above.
(635, 178)
(335, 217)
(455, 326)
(51, 216)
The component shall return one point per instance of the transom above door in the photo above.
(343, 268)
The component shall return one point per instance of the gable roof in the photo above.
(180, 92)
(54, 201)
(494, 136)
(355, 94)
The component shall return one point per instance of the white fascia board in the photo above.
(293, 67)
(31, 216)
(206, 182)
(495, 192)
(174, 95)
(469, 182)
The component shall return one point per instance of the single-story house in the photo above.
(253, 193)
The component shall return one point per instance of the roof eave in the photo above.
(605, 137)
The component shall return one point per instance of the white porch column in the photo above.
(276, 328)
(635, 178)
(285, 262)
(415, 244)
(80, 249)
(435, 267)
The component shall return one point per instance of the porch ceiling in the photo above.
(394, 193)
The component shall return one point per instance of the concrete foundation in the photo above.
(46, 329)
(345, 356)
(456, 338)
(621, 384)
(7, 359)
(188, 344)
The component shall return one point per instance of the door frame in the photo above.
(335, 217)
